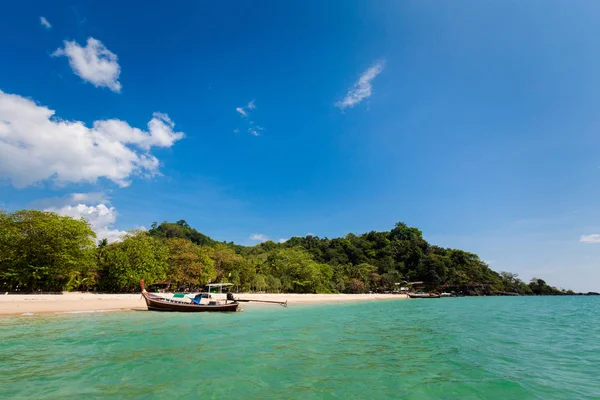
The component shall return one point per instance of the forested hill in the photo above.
(371, 261)
(45, 251)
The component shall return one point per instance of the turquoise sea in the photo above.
(456, 348)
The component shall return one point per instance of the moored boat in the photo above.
(195, 304)
(423, 296)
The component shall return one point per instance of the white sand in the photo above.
(68, 302)
(81, 302)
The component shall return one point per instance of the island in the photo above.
(45, 252)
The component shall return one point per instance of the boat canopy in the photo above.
(218, 287)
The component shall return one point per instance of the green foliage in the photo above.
(380, 260)
(231, 267)
(433, 268)
(296, 270)
(541, 288)
(189, 265)
(139, 256)
(44, 251)
(182, 230)
(512, 284)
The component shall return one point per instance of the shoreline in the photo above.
(77, 302)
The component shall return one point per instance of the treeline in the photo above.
(42, 251)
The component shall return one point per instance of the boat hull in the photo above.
(424, 296)
(156, 303)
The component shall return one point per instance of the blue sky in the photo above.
(475, 121)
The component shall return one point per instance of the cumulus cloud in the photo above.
(45, 23)
(36, 146)
(259, 237)
(244, 110)
(594, 238)
(100, 217)
(282, 240)
(361, 89)
(160, 132)
(93, 63)
(73, 198)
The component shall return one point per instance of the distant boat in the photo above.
(159, 303)
(444, 294)
(424, 296)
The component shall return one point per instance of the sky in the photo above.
(476, 122)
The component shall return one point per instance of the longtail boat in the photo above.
(424, 296)
(201, 302)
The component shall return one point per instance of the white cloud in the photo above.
(259, 237)
(93, 63)
(73, 198)
(244, 110)
(594, 238)
(282, 240)
(255, 130)
(361, 89)
(91, 197)
(236, 131)
(160, 132)
(36, 146)
(45, 23)
(100, 217)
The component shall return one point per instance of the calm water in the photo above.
(464, 348)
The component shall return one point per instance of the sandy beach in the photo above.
(89, 302)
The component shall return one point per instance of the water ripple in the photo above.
(467, 348)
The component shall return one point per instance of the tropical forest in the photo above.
(44, 251)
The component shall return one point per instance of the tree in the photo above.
(180, 229)
(232, 267)
(356, 286)
(297, 270)
(42, 250)
(511, 282)
(259, 283)
(361, 271)
(183, 223)
(139, 256)
(433, 269)
(540, 287)
(190, 265)
(390, 279)
(273, 284)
